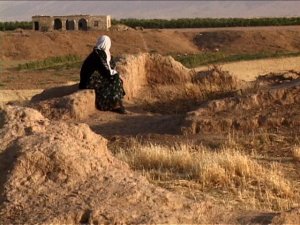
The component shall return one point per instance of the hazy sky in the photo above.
(23, 10)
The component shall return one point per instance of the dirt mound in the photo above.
(277, 78)
(272, 108)
(249, 40)
(216, 80)
(22, 47)
(78, 105)
(140, 71)
(186, 94)
(289, 217)
(70, 177)
(120, 27)
(55, 92)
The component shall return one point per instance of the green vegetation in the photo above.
(181, 23)
(208, 22)
(207, 58)
(16, 24)
(51, 62)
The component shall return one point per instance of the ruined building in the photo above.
(72, 22)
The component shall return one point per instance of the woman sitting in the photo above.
(107, 83)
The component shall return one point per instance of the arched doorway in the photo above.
(57, 24)
(36, 25)
(70, 25)
(82, 24)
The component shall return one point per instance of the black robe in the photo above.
(96, 61)
(108, 88)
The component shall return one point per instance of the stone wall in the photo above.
(72, 22)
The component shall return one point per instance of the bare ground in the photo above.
(157, 115)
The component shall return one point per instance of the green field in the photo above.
(51, 62)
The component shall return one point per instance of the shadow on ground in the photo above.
(133, 124)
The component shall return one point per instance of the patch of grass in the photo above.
(207, 58)
(227, 170)
(67, 61)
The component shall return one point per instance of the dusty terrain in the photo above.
(197, 146)
(29, 45)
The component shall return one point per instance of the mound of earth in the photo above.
(22, 47)
(272, 108)
(290, 217)
(142, 70)
(249, 40)
(277, 78)
(216, 80)
(120, 27)
(57, 172)
(78, 105)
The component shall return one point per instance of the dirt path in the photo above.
(249, 70)
(136, 122)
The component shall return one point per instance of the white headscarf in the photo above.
(104, 43)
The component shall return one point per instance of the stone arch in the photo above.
(82, 24)
(70, 25)
(57, 24)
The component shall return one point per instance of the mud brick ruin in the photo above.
(72, 22)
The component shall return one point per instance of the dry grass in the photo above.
(225, 168)
(228, 169)
(296, 153)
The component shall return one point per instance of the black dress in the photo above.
(108, 88)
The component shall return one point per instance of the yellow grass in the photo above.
(227, 175)
(226, 168)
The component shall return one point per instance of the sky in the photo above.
(24, 10)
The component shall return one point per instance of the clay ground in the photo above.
(157, 122)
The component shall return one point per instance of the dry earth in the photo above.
(54, 150)
(250, 70)
(28, 45)
(57, 172)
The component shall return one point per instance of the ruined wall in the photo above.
(45, 23)
(72, 22)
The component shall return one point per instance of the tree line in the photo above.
(27, 25)
(180, 23)
(208, 22)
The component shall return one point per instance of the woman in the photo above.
(107, 83)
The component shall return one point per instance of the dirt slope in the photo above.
(30, 45)
(70, 177)
(273, 104)
(249, 41)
